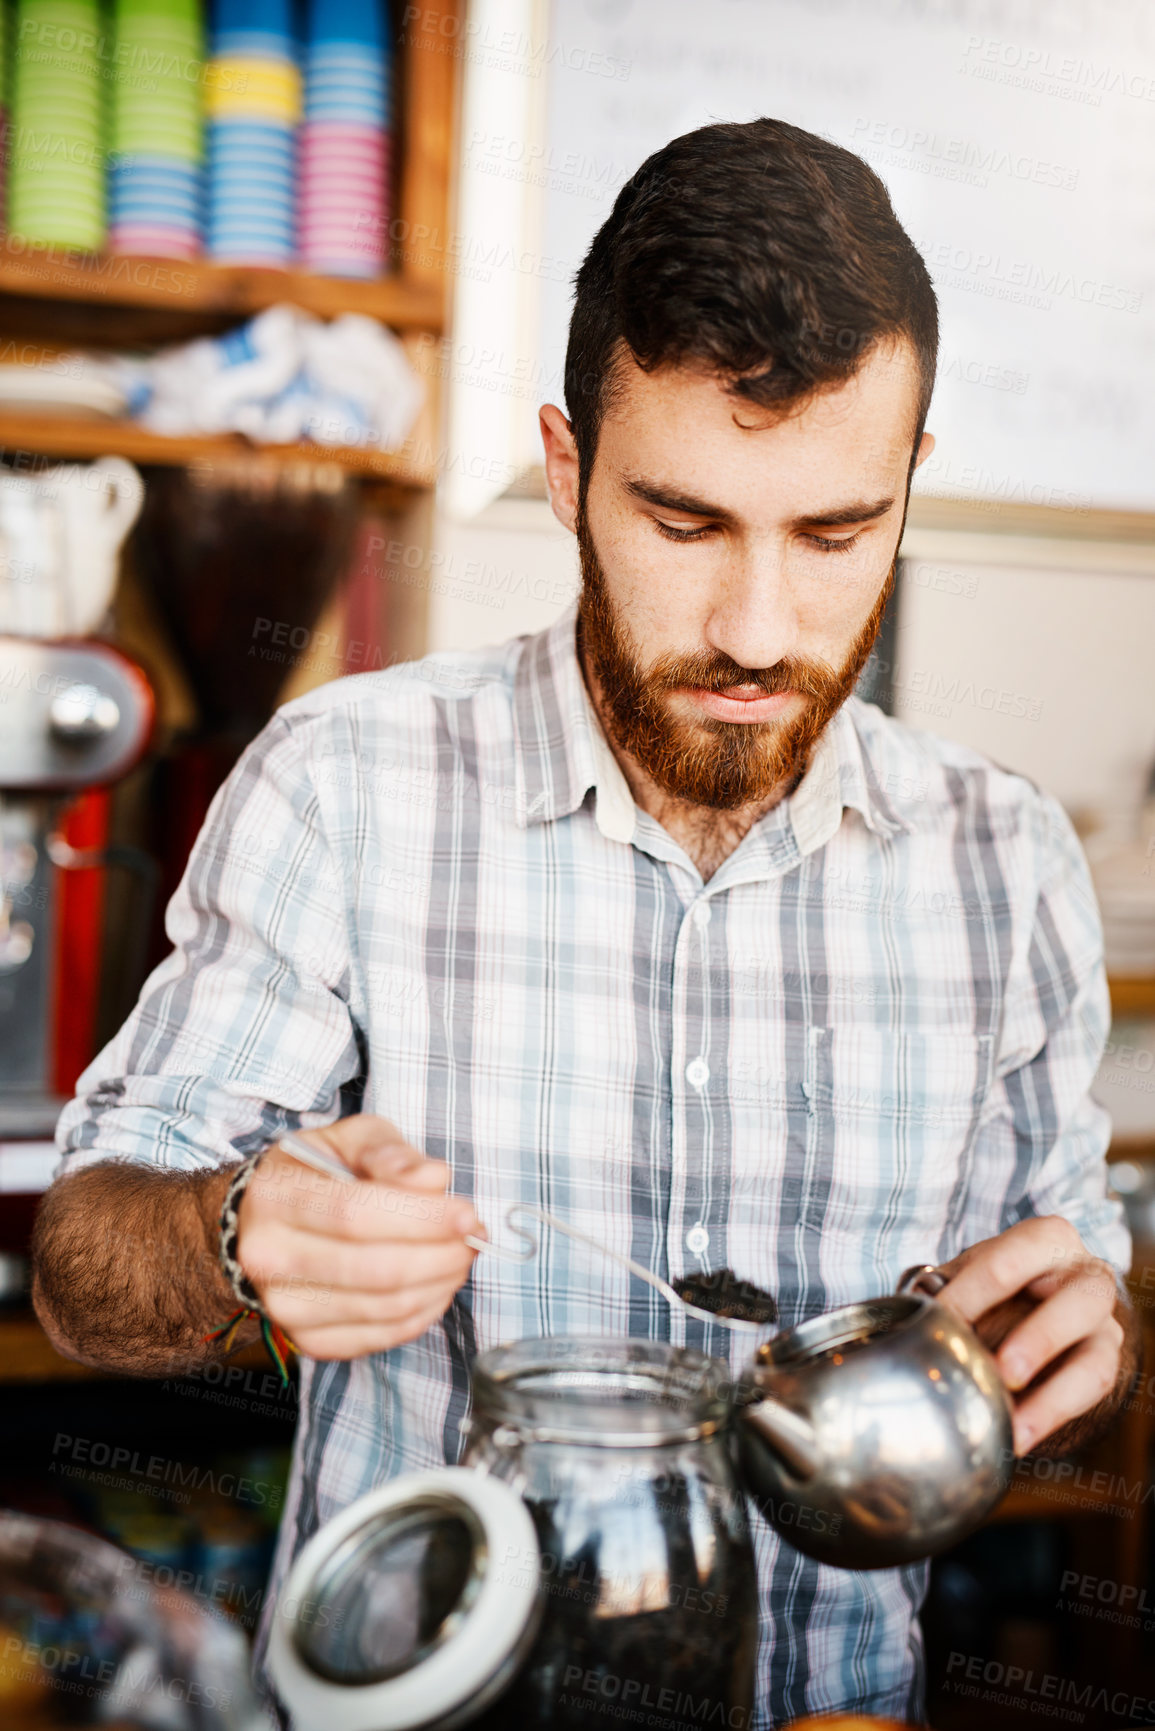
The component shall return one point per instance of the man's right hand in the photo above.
(349, 1269)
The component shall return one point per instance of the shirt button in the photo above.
(698, 1239)
(697, 1072)
(702, 912)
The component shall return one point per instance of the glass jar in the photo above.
(620, 1450)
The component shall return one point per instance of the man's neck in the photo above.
(708, 835)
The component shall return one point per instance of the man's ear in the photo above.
(561, 464)
(925, 447)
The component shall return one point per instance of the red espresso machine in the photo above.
(75, 716)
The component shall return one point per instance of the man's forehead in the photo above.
(881, 393)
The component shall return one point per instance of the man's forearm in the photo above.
(125, 1271)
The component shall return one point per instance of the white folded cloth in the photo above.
(283, 377)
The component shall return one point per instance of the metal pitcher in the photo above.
(877, 1434)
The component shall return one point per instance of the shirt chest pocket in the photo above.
(891, 1120)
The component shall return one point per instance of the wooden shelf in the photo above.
(27, 1355)
(997, 517)
(196, 287)
(412, 468)
(1132, 997)
(80, 437)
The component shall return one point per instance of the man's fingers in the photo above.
(1081, 1382)
(282, 1189)
(371, 1212)
(405, 1166)
(362, 1338)
(352, 1268)
(994, 1325)
(310, 1307)
(362, 1133)
(372, 1147)
(275, 1253)
(1000, 1267)
(1075, 1310)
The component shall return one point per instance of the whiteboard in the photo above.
(1017, 141)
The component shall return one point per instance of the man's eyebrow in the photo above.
(860, 511)
(671, 499)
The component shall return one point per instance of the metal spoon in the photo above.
(328, 1163)
(673, 1299)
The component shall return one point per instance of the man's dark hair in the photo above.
(760, 250)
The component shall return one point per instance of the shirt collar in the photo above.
(561, 752)
(841, 774)
(560, 749)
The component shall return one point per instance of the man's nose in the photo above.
(753, 616)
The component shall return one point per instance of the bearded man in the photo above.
(646, 919)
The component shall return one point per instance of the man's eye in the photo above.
(672, 534)
(829, 546)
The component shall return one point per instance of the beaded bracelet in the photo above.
(277, 1342)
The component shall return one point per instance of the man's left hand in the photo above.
(1038, 1298)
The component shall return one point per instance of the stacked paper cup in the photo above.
(57, 150)
(155, 178)
(253, 102)
(343, 198)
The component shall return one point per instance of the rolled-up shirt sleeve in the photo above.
(1043, 1129)
(244, 1029)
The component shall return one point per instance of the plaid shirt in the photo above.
(867, 1041)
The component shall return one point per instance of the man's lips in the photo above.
(740, 702)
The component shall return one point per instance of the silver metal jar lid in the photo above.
(412, 1607)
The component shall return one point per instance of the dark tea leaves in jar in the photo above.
(723, 1294)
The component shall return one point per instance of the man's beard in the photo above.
(708, 762)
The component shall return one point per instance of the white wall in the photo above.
(511, 569)
(1067, 657)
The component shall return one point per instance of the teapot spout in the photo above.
(786, 1433)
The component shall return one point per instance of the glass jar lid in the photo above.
(412, 1607)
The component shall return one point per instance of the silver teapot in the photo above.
(878, 1433)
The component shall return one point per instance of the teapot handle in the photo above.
(923, 1278)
